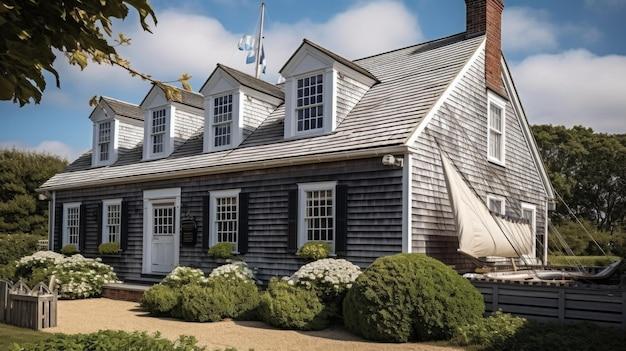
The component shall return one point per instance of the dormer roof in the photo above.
(335, 57)
(247, 81)
(120, 108)
(189, 98)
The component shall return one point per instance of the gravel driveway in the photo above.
(85, 316)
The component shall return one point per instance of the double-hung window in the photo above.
(222, 120)
(157, 132)
(317, 212)
(309, 103)
(71, 224)
(496, 204)
(496, 119)
(112, 221)
(225, 216)
(104, 140)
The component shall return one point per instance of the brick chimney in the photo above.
(485, 17)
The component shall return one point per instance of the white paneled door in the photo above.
(163, 237)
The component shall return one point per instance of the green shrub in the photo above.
(314, 250)
(7, 271)
(108, 340)
(109, 248)
(14, 246)
(222, 250)
(582, 260)
(410, 296)
(161, 300)
(220, 298)
(292, 307)
(489, 332)
(182, 276)
(69, 250)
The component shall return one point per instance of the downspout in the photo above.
(51, 220)
(407, 180)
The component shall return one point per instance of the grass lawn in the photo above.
(10, 334)
(584, 260)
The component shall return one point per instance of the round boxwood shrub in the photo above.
(222, 250)
(109, 248)
(69, 250)
(160, 300)
(220, 298)
(410, 296)
(286, 306)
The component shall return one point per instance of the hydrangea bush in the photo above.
(235, 270)
(329, 278)
(181, 276)
(77, 277)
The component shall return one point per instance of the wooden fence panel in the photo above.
(604, 305)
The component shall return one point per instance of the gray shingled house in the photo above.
(343, 151)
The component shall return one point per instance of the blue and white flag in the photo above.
(263, 60)
(250, 57)
(246, 43)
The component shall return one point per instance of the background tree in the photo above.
(34, 32)
(21, 173)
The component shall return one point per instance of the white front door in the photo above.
(163, 237)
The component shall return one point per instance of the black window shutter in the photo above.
(82, 231)
(341, 222)
(124, 226)
(292, 225)
(58, 228)
(242, 241)
(206, 204)
(99, 221)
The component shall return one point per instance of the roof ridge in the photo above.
(118, 100)
(246, 74)
(413, 45)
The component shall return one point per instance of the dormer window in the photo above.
(158, 131)
(222, 120)
(496, 125)
(309, 104)
(104, 140)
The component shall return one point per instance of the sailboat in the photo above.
(483, 233)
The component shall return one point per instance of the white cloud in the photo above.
(50, 147)
(530, 30)
(574, 87)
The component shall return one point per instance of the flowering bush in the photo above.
(181, 276)
(314, 250)
(329, 278)
(77, 277)
(235, 270)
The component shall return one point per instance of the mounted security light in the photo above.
(392, 161)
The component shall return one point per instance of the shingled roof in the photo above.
(411, 81)
(123, 108)
(190, 98)
(249, 81)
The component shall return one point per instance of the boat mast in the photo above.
(259, 42)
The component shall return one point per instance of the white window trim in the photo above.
(113, 143)
(168, 140)
(329, 100)
(532, 207)
(302, 189)
(65, 236)
(150, 198)
(236, 132)
(502, 200)
(214, 195)
(492, 98)
(105, 213)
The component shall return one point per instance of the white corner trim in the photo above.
(493, 98)
(213, 196)
(530, 139)
(52, 206)
(435, 108)
(302, 189)
(407, 204)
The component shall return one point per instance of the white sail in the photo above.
(482, 233)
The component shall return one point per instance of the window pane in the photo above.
(113, 223)
(226, 219)
(318, 215)
(309, 110)
(158, 130)
(72, 225)
(104, 138)
(222, 120)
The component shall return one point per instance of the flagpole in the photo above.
(260, 42)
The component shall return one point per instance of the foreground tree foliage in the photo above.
(20, 175)
(34, 32)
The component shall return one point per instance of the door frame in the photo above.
(151, 197)
(531, 207)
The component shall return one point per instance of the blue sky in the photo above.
(568, 57)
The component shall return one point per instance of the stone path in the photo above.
(86, 316)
